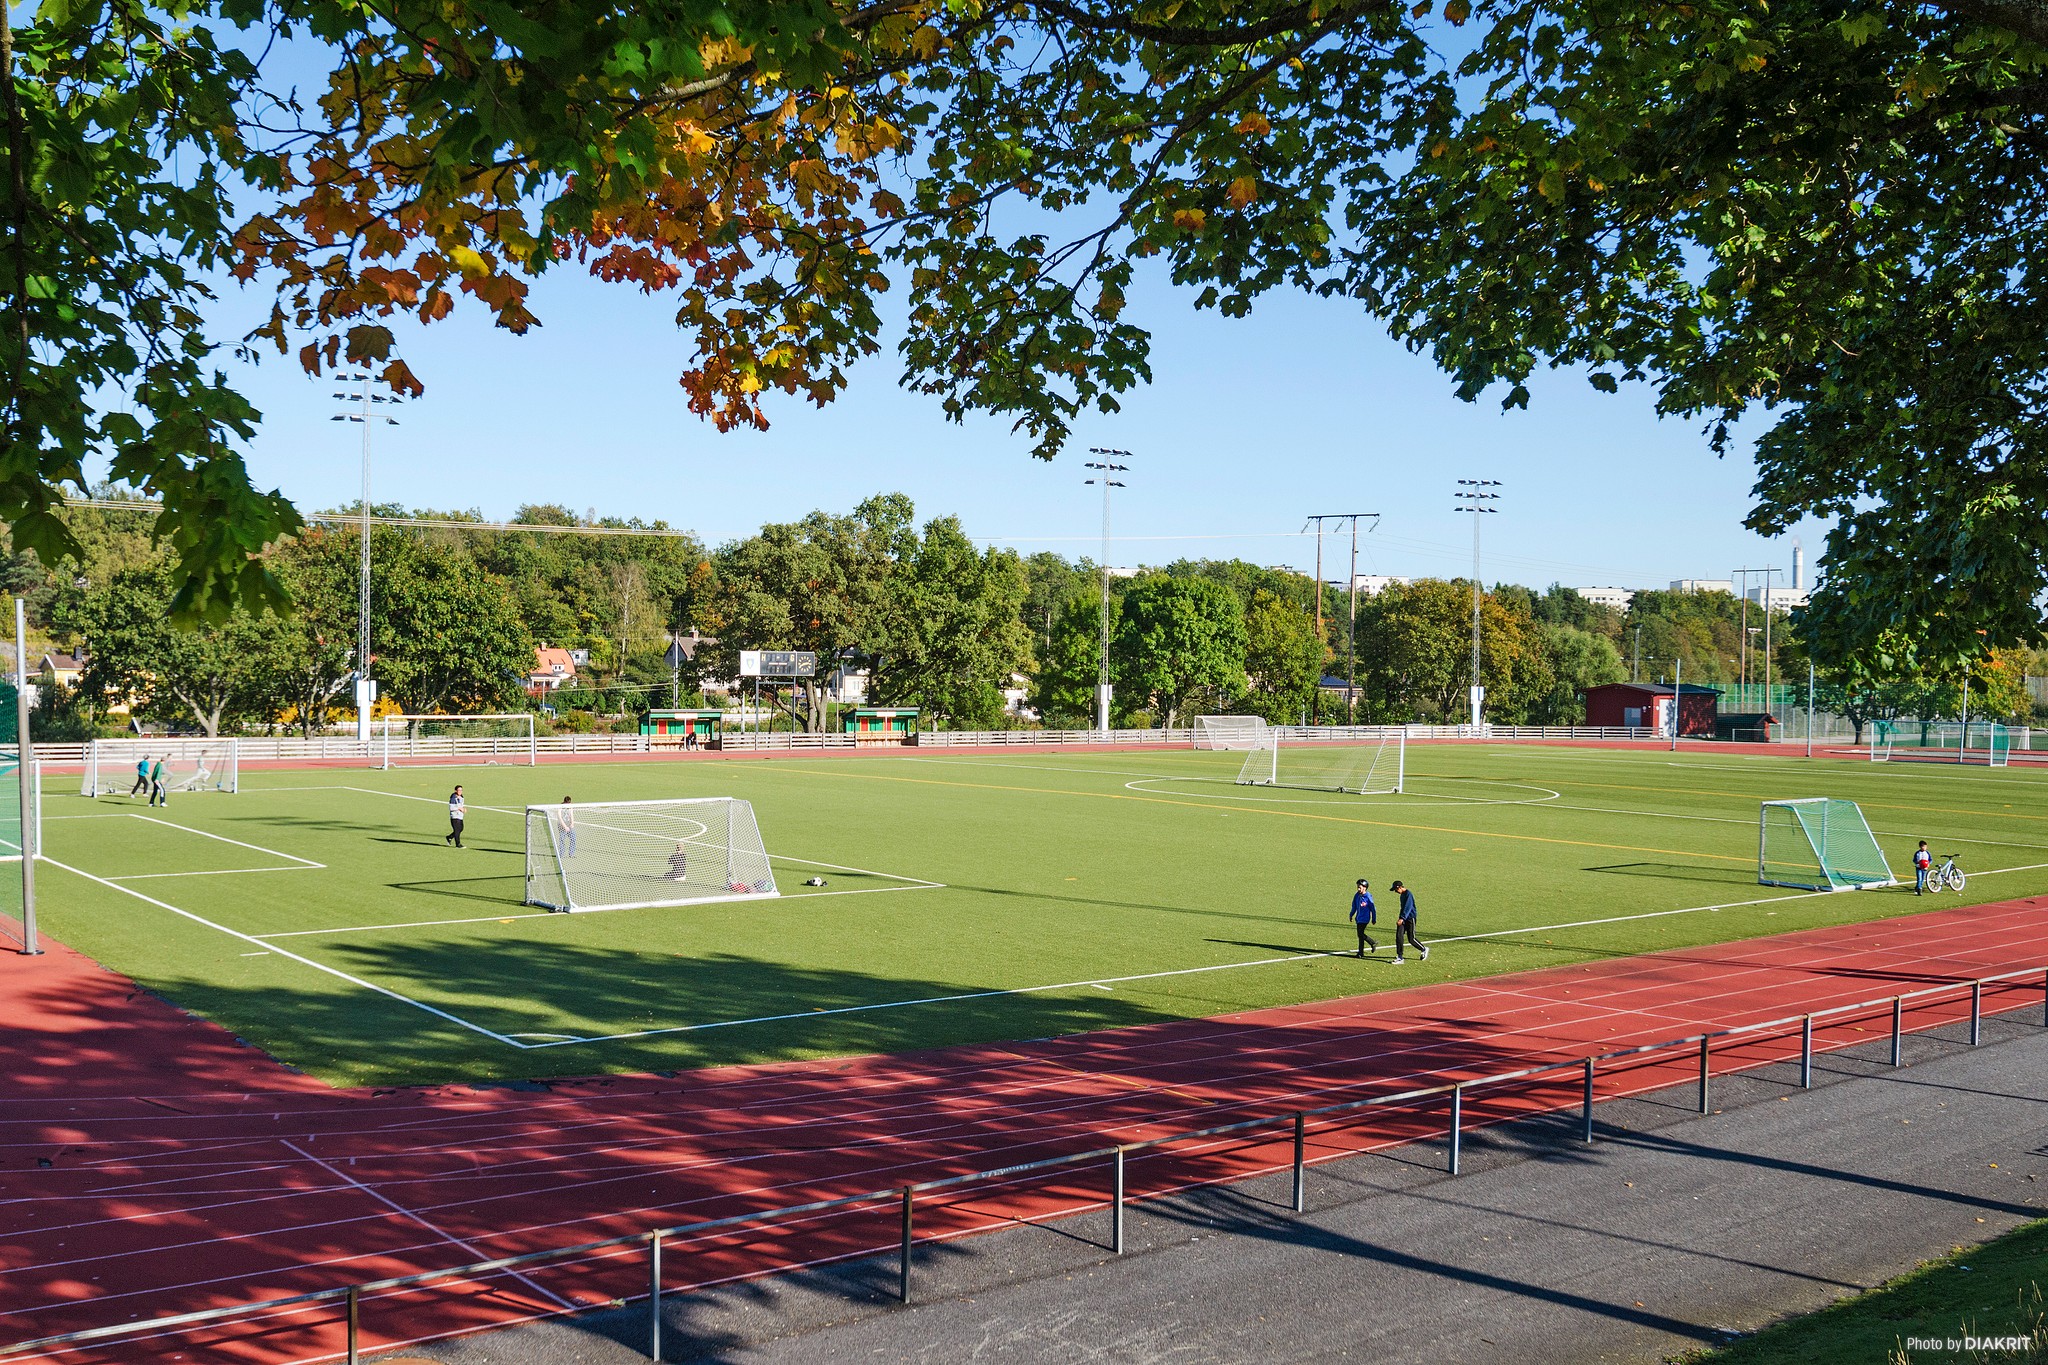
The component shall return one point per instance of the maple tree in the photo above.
(1819, 211)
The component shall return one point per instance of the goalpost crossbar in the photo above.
(1364, 767)
(483, 739)
(625, 855)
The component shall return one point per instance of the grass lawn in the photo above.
(1991, 1291)
(319, 915)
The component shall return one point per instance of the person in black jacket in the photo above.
(1404, 925)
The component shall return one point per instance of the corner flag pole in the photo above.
(25, 782)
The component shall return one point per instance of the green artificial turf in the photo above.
(1060, 873)
(1993, 1293)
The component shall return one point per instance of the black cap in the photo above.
(1363, 882)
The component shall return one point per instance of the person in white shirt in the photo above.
(565, 826)
(454, 835)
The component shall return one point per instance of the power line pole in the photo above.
(365, 400)
(1473, 497)
(1108, 471)
(1351, 625)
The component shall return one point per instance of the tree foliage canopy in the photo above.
(1819, 211)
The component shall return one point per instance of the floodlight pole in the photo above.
(365, 399)
(1109, 470)
(1351, 628)
(1473, 497)
(25, 782)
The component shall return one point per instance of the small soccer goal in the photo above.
(1230, 732)
(1819, 843)
(119, 767)
(1366, 767)
(1881, 741)
(1996, 749)
(623, 855)
(454, 741)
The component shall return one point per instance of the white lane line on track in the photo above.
(253, 941)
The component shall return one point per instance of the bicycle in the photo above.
(1945, 873)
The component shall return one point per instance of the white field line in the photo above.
(1107, 981)
(204, 834)
(549, 914)
(412, 1217)
(252, 940)
(1380, 801)
(222, 872)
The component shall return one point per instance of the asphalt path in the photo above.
(1673, 1231)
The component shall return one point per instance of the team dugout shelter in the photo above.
(1649, 705)
(679, 727)
(881, 724)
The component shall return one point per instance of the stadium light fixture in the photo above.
(1107, 469)
(1473, 497)
(366, 402)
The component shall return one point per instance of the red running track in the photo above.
(150, 1164)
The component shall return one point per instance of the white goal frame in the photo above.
(552, 850)
(1827, 810)
(1263, 766)
(392, 748)
(110, 764)
(1230, 732)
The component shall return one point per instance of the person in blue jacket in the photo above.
(1363, 913)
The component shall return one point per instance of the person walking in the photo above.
(1363, 913)
(455, 811)
(1404, 926)
(1922, 861)
(565, 826)
(141, 775)
(157, 795)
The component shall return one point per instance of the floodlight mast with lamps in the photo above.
(1109, 469)
(362, 678)
(1316, 520)
(1473, 497)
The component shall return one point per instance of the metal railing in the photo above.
(349, 1298)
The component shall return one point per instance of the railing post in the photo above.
(1116, 1205)
(654, 1295)
(1806, 1053)
(354, 1297)
(1898, 1028)
(903, 1268)
(1976, 1013)
(1703, 1073)
(2044, 997)
(1300, 1163)
(1587, 1132)
(1457, 1124)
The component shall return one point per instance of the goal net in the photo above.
(1819, 843)
(1881, 742)
(1367, 767)
(454, 741)
(1230, 732)
(116, 767)
(619, 855)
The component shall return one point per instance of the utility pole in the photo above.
(1351, 629)
(27, 788)
(365, 695)
(1767, 573)
(1473, 497)
(1108, 470)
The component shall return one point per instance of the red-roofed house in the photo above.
(552, 668)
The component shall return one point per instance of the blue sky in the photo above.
(1251, 424)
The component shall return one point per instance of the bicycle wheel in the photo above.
(1955, 878)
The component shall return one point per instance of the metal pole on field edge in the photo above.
(1898, 1025)
(1677, 705)
(1809, 704)
(25, 783)
(1457, 1124)
(1116, 1205)
(903, 1268)
(1587, 1133)
(1703, 1074)
(353, 1295)
(1806, 1053)
(654, 1295)
(1976, 1013)
(1301, 1153)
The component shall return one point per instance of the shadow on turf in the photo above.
(1684, 872)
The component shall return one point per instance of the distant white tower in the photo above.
(1798, 565)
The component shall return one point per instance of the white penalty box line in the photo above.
(293, 862)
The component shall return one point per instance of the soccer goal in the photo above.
(1366, 767)
(1997, 748)
(1230, 732)
(621, 855)
(1881, 742)
(455, 741)
(116, 767)
(1819, 843)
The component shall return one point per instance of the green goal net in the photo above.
(1819, 843)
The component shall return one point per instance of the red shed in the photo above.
(1649, 705)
